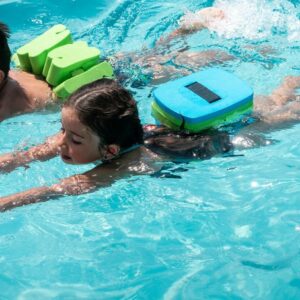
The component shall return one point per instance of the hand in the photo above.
(200, 19)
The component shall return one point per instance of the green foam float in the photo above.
(64, 62)
(32, 56)
(65, 65)
(202, 100)
(69, 86)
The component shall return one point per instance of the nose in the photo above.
(62, 140)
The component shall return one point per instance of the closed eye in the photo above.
(76, 142)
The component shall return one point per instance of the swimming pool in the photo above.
(224, 228)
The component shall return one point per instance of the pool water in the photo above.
(224, 228)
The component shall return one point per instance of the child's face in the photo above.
(78, 144)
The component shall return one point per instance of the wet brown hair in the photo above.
(110, 111)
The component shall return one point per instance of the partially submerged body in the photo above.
(23, 92)
(159, 145)
(19, 91)
(159, 65)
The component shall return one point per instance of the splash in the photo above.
(257, 19)
(293, 28)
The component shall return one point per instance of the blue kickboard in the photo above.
(178, 99)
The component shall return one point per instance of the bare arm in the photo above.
(45, 151)
(73, 185)
(193, 22)
(104, 175)
(31, 196)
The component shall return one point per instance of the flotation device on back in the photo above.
(202, 100)
(65, 65)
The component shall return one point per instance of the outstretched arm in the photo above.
(45, 151)
(73, 185)
(193, 22)
(104, 175)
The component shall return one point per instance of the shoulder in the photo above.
(37, 89)
(74, 185)
(140, 161)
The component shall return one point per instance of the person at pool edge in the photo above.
(100, 124)
(19, 91)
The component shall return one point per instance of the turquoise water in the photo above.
(225, 228)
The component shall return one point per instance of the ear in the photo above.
(2, 76)
(112, 151)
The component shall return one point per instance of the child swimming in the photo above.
(100, 124)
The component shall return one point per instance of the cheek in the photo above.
(86, 154)
(94, 148)
(97, 153)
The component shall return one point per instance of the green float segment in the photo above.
(65, 65)
(32, 56)
(69, 86)
(64, 62)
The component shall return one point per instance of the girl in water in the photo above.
(100, 124)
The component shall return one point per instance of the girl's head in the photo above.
(5, 51)
(99, 121)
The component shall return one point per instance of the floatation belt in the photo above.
(65, 65)
(202, 100)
